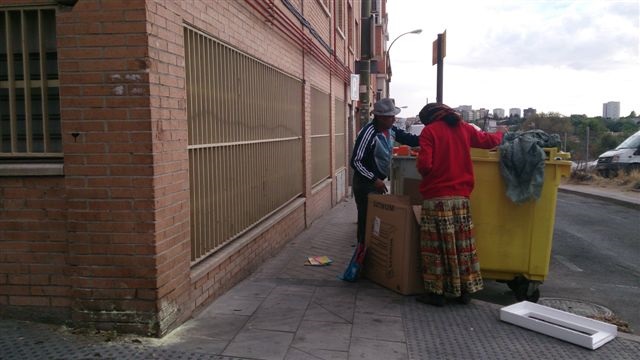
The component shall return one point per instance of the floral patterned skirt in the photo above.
(447, 247)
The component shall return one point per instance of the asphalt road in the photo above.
(595, 259)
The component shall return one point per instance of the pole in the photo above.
(365, 63)
(587, 147)
(416, 31)
(440, 70)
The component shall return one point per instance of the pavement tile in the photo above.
(279, 318)
(315, 335)
(253, 288)
(193, 343)
(378, 327)
(339, 301)
(389, 305)
(260, 344)
(297, 354)
(233, 305)
(367, 349)
(318, 312)
(214, 326)
(299, 290)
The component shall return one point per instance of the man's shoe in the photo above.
(431, 299)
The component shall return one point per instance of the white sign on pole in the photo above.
(355, 87)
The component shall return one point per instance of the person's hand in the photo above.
(380, 186)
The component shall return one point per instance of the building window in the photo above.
(320, 136)
(244, 141)
(339, 7)
(30, 130)
(350, 26)
(340, 118)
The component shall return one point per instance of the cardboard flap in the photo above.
(417, 212)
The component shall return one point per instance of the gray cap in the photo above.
(385, 107)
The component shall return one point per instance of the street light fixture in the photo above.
(416, 31)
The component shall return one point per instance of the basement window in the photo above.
(30, 126)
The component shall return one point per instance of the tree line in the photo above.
(603, 134)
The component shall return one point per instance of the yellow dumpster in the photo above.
(513, 240)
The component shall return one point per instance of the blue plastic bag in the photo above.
(352, 272)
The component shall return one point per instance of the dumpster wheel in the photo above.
(524, 289)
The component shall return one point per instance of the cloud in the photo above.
(577, 35)
(562, 56)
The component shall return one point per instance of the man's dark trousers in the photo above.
(362, 187)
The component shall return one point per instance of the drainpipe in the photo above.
(365, 60)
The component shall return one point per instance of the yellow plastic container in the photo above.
(514, 239)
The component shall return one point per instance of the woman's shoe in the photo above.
(465, 298)
(431, 299)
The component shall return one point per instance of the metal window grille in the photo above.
(339, 4)
(245, 141)
(320, 136)
(340, 137)
(29, 97)
(350, 26)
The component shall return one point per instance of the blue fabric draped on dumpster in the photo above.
(522, 161)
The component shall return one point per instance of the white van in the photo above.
(625, 157)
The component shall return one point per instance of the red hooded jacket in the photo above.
(445, 157)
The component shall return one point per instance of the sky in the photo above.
(560, 56)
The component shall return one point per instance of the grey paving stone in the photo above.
(253, 288)
(260, 344)
(299, 290)
(215, 326)
(367, 349)
(233, 305)
(194, 343)
(378, 327)
(338, 300)
(388, 305)
(315, 335)
(297, 354)
(281, 318)
(318, 312)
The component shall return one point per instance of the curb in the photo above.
(630, 337)
(622, 202)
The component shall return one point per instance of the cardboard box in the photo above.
(393, 241)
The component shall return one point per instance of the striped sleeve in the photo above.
(362, 143)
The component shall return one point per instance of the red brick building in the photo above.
(154, 153)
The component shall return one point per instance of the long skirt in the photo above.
(447, 247)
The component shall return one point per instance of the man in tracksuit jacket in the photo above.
(371, 158)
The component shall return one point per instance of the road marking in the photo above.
(567, 263)
(627, 286)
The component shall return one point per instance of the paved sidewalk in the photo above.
(289, 311)
(626, 198)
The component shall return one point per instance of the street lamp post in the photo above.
(416, 31)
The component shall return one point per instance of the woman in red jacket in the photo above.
(449, 262)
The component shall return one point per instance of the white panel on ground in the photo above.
(565, 326)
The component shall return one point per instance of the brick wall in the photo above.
(33, 247)
(108, 245)
(109, 167)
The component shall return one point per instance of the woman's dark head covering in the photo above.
(433, 112)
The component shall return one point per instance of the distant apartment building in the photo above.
(529, 112)
(466, 111)
(515, 112)
(482, 113)
(498, 113)
(467, 115)
(611, 110)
